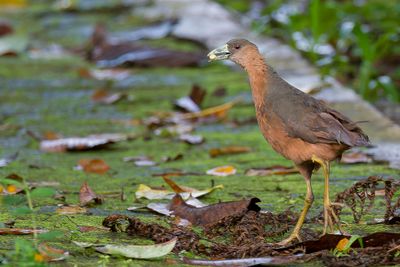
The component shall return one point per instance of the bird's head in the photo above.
(236, 50)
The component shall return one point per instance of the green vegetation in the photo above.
(355, 41)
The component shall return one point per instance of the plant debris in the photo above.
(21, 231)
(86, 195)
(103, 96)
(97, 166)
(355, 158)
(192, 102)
(229, 150)
(222, 171)
(110, 55)
(273, 170)
(213, 213)
(81, 143)
(361, 196)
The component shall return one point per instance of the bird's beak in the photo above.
(219, 53)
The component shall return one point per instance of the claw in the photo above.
(289, 240)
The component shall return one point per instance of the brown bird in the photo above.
(297, 126)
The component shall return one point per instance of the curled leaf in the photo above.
(51, 254)
(138, 252)
(213, 213)
(86, 195)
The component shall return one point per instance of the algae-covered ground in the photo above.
(40, 95)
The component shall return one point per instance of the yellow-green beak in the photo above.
(219, 53)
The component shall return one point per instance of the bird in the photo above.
(301, 128)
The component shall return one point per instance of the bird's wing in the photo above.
(312, 121)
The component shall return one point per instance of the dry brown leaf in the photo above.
(215, 113)
(213, 213)
(103, 96)
(51, 254)
(121, 53)
(97, 166)
(356, 157)
(215, 152)
(273, 170)
(21, 231)
(174, 158)
(72, 209)
(86, 195)
(192, 102)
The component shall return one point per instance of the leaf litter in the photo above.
(246, 230)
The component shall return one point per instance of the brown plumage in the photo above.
(298, 126)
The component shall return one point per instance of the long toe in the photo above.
(293, 237)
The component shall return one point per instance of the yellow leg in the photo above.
(307, 204)
(330, 216)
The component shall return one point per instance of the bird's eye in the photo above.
(237, 46)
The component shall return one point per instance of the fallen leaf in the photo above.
(12, 4)
(215, 152)
(145, 191)
(192, 102)
(105, 74)
(174, 130)
(103, 96)
(11, 185)
(51, 254)
(213, 213)
(97, 166)
(214, 113)
(342, 244)
(273, 170)
(140, 161)
(264, 261)
(12, 45)
(164, 208)
(192, 139)
(133, 251)
(21, 231)
(155, 30)
(356, 157)
(174, 158)
(81, 143)
(86, 195)
(110, 55)
(330, 241)
(5, 28)
(7, 160)
(72, 209)
(222, 171)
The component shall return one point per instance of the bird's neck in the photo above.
(258, 72)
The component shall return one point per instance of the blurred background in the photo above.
(355, 41)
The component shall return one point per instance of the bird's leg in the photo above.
(330, 216)
(307, 204)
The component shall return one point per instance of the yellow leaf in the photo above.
(11, 189)
(342, 244)
(13, 3)
(39, 257)
(222, 171)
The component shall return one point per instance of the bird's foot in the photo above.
(331, 218)
(293, 236)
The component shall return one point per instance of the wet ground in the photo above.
(46, 90)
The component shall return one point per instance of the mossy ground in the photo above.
(40, 95)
